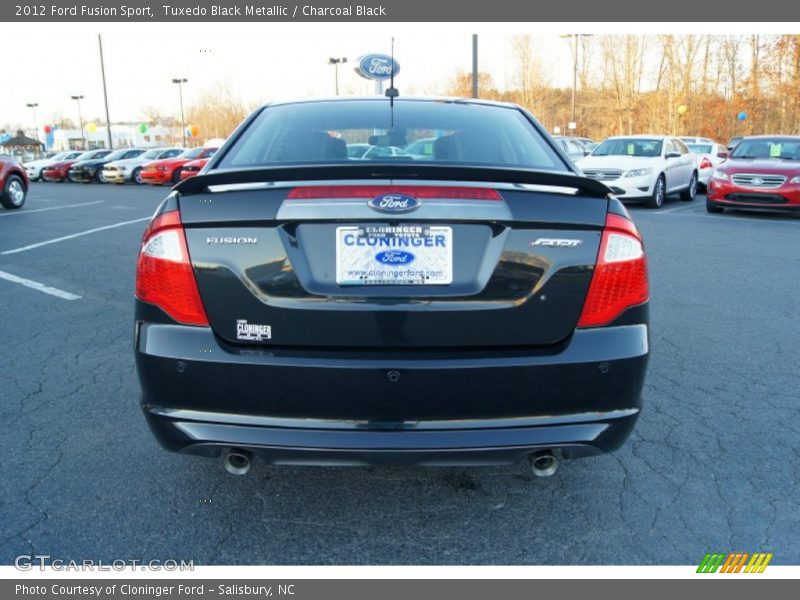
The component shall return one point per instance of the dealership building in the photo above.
(122, 136)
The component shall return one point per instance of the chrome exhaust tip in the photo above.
(543, 464)
(236, 462)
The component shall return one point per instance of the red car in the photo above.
(168, 170)
(191, 169)
(13, 183)
(60, 171)
(762, 172)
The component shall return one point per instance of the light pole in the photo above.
(335, 62)
(32, 106)
(574, 37)
(105, 91)
(474, 65)
(80, 118)
(180, 81)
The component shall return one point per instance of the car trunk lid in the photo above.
(514, 262)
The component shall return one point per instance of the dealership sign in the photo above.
(377, 66)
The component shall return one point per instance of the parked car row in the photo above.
(168, 170)
(129, 169)
(761, 172)
(135, 165)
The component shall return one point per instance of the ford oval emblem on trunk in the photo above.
(394, 203)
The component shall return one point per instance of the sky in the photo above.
(264, 61)
(256, 63)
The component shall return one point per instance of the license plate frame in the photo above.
(394, 255)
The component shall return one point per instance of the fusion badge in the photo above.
(214, 239)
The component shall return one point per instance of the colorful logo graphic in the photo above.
(735, 562)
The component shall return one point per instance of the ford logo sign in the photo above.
(394, 203)
(394, 257)
(377, 66)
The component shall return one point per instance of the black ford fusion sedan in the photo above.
(485, 305)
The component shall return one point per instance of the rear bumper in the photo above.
(200, 396)
(296, 442)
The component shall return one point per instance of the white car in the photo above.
(644, 168)
(357, 151)
(382, 152)
(709, 156)
(34, 168)
(696, 140)
(120, 171)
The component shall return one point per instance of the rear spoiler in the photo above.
(323, 172)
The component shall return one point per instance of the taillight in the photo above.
(317, 192)
(706, 163)
(164, 275)
(620, 276)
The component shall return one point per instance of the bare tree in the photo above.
(217, 112)
(624, 60)
(531, 79)
(461, 86)
(638, 84)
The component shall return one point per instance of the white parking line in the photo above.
(675, 209)
(35, 285)
(72, 236)
(35, 210)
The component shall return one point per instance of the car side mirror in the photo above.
(722, 155)
(673, 154)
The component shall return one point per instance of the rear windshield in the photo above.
(94, 154)
(700, 148)
(787, 149)
(629, 147)
(118, 154)
(192, 153)
(370, 130)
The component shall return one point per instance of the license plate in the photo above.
(394, 255)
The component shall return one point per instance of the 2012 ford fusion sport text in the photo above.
(473, 301)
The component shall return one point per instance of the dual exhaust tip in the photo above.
(544, 463)
(237, 462)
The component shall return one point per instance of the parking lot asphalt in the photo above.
(712, 465)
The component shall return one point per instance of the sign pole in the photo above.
(474, 65)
